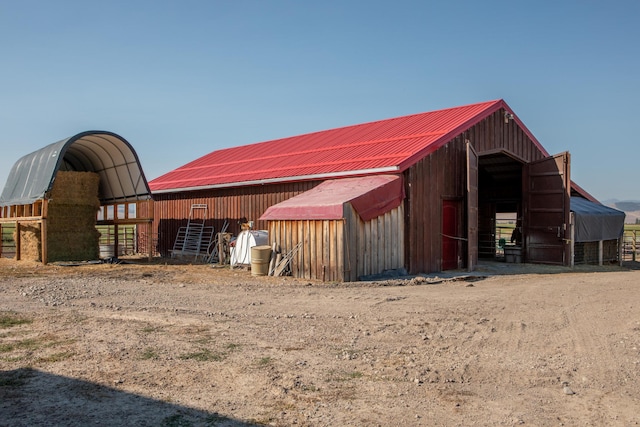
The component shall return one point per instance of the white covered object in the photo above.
(241, 252)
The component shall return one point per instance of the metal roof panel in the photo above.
(391, 144)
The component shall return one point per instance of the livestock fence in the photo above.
(631, 243)
(131, 241)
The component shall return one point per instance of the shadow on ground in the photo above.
(29, 397)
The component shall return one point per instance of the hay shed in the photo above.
(56, 196)
(344, 228)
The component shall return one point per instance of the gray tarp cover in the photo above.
(105, 153)
(595, 222)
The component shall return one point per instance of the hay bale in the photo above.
(30, 241)
(71, 217)
(75, 188)
(69, 246)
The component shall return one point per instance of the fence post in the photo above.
(633, 246)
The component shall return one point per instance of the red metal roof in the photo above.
(384, 146)
(370, 196)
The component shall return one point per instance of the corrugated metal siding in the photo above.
(171, 210)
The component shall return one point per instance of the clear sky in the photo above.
(179, 79)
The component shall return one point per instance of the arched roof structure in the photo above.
(105, 153)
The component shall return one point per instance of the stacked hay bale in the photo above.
(30, 240)
(71, 217)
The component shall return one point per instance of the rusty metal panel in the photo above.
(547, 209)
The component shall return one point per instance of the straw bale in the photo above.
(73, 246)
(30, 241)
(71, 218)
(75, 188)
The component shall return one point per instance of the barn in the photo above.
(453, 171)
(56, 196)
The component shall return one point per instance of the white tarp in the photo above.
(241, 251)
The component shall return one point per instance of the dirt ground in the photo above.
(151, 344)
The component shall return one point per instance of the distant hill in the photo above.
(630, 207)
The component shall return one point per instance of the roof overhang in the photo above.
(105, 153)
(312, 177)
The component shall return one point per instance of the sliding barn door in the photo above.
(547, 188)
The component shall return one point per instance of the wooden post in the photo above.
(43, 241)
(150, 228)
(600, 252)
(17, 240)
(116, 252)
(634, 246)
(573, 239)
(620, 249)
(1, 240)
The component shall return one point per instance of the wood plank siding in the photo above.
(442, 176)
(344, 249)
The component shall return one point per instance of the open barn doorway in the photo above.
(499, 205)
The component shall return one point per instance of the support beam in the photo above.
(600, 252)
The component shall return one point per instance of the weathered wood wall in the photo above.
(322, 252)
(343, 250)
(441, 176)
(374, 246)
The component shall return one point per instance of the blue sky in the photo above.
(179, 79)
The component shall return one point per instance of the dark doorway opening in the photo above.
(499, 203)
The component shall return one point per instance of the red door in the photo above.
(450, 238)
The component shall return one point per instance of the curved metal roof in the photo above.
(105, 153)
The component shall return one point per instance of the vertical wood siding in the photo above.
(373, 246)
(322, 247)
(442, 176)
(343, 250)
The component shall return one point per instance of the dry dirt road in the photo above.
(182, 345)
